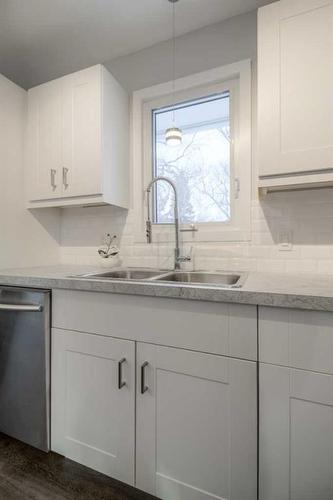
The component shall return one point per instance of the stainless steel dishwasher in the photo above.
(25, 365)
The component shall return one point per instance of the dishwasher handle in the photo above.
(21, 307)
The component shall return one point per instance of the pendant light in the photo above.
(173, 135)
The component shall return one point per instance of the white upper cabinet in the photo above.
(77, 141)
(295, 100)
(43, 142)
(81, 146)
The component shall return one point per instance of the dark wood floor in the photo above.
(27, 473)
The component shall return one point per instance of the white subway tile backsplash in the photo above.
(325, 266)
(302, 266)
(308, 216)
(272, 266)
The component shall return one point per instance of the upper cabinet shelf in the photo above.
(295, 98)
(77, 141)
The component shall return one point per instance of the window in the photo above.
(212, 166)
(200, 166)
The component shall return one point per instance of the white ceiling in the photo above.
(44, 39)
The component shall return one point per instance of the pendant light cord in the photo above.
(173, 60)
(173, 135)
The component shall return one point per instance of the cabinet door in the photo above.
(196, 425)
(295, 75)
(92, 415)
(296, 434)
(44, 142)
(82, 121)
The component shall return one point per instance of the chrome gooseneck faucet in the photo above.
(178, 257)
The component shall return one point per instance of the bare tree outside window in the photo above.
(200, 166)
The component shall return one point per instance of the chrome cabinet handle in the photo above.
(144, 386)
(53, 178)
(121, 382)
(21, 307)
(65, 177)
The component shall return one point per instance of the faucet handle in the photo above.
(184, 258)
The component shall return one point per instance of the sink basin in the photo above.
(222, 279)
(203, 278)
(125, 274)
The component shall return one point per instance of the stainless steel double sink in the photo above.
(217, 279)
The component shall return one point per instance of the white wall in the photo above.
(222, 43)
(26, 239)
(307, 216)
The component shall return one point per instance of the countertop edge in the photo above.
(200, 293)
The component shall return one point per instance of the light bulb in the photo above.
(173, 136)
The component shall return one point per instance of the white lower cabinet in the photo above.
(196, 425)
(296, 404)
(93, 401)
(184, 426)
(295, 434)
(196, 416)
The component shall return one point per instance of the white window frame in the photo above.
(234, 77)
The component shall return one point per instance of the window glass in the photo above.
(200, 166)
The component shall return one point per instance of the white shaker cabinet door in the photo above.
(295, 80)
(44, 142)
(82, 133)
(196, 425)
(296, 434)
(93, 401)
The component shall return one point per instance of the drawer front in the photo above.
(226, 329)
(296, 338)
